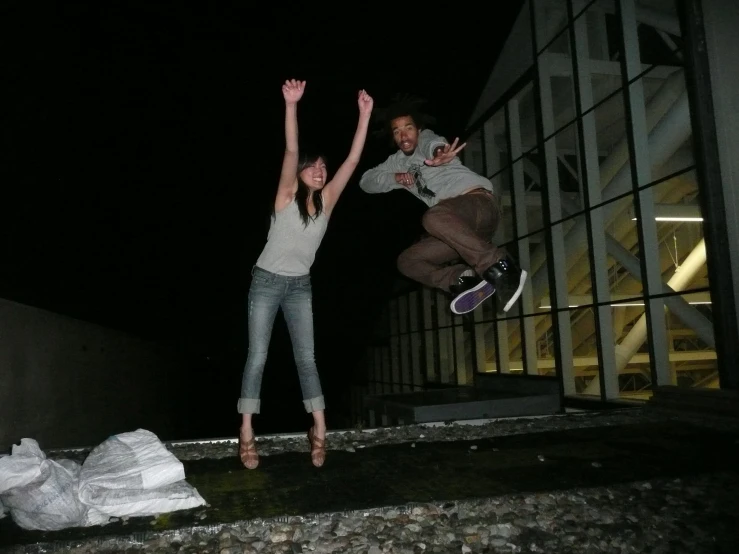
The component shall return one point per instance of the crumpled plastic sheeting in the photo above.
(40, 493)
(131, 474)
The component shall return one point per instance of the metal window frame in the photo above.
(637, 136)
(710, 183)
(554, 239)
(594, 218)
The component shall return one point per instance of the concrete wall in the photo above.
(66, 382)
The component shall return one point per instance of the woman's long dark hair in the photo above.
(303, 192)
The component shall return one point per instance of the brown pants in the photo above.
(460, 231)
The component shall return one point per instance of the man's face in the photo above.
(405, 134)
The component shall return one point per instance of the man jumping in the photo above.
(457, 254)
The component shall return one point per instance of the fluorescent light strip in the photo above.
(680, 219)
(625, 305)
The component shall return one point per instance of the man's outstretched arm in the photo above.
(382, 178)
(437, 150)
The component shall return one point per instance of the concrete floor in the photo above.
(395, 474)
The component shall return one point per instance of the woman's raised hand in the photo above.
(293, 91)
(365, 102)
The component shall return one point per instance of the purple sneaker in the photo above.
(472, 297)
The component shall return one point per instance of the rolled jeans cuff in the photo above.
(249, 405)
(314, 404)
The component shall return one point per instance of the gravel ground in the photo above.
(695, 514)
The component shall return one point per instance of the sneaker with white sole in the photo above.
(508, 280)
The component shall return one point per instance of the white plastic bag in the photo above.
(41, 494)
(133, 474)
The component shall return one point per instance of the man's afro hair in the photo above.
(401, 105)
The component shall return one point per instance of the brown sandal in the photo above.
(317, 449)
(248, 452)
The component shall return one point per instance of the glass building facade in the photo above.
(601, 130)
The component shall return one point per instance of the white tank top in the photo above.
(291, 246)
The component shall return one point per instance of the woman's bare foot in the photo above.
(248, 449)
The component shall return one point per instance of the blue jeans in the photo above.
(267, 293)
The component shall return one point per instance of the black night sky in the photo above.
(141, 147)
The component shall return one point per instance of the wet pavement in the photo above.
(435, 472)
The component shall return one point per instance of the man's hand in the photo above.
(445, 154)
(293, 91)
(405, 179)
